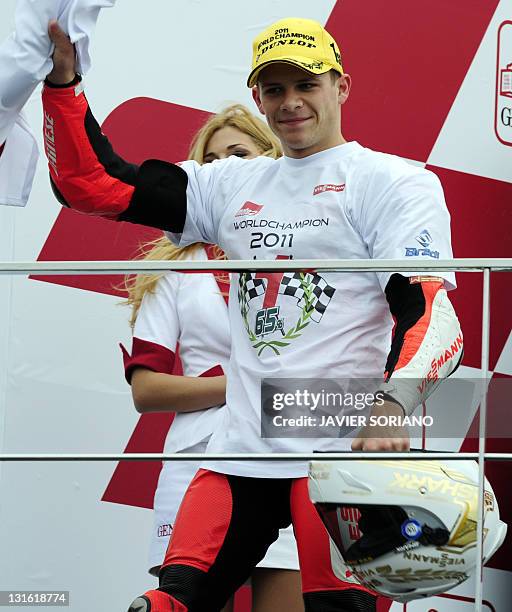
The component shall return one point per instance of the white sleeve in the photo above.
(156, 331)
(208, 191)
(25, 57)
(404, 216)
(157, 319)
(78, 18)
(18, 163)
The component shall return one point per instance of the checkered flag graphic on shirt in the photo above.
(293, 285)
(249, 288)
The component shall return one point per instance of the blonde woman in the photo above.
(190, 309)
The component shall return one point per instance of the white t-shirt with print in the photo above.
(189, 310)
(346, 202)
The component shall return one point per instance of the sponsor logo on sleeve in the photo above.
(425, 240)
(414, 280)
(49, 142)
(414, 252)
(443, 364)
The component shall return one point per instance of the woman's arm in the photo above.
(159, 392)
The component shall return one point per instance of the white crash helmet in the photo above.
(405, 529)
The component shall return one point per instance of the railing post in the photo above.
(479, 574)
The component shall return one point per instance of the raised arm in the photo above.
(85, 172)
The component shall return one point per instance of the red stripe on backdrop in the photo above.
(481, 221)
(83, 238)
(142, 128)
(133, 483)
(407, 62)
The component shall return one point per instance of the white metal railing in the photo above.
(338, 265)
(348, 456)
(486, 266)
(479, 578)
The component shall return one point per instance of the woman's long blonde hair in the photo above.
(239, 117)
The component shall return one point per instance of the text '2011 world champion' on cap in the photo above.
(301, 42)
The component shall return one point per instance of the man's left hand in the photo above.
(383, 437)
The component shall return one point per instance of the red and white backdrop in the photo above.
(430, 84)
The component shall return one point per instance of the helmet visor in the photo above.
(367, 532)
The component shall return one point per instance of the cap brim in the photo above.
(298, 63)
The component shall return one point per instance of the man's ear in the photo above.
(257, 99)
(344, 84)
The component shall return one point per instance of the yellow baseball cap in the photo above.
(300, 42)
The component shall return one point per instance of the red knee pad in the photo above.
(207, 501)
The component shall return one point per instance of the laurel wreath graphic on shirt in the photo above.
(308, 300)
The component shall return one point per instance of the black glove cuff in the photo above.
(75, 81)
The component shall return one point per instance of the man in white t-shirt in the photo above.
(325, 199)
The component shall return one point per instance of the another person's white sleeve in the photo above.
(18, 162)
(25, 60)
(157, 329)
(25, 57)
